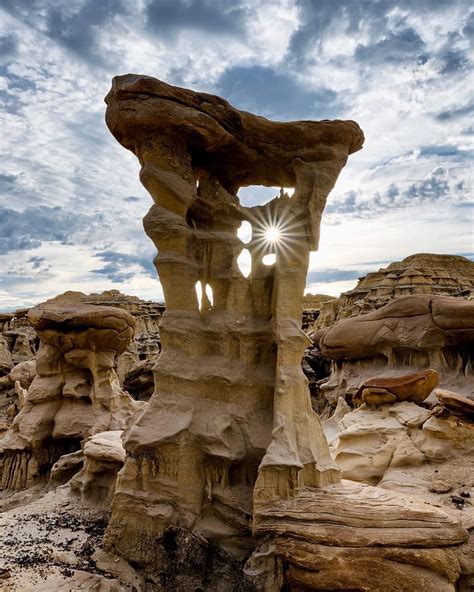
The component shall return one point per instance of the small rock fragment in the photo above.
(440, 486)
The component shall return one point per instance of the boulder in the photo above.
(409, 334)
(388, 389)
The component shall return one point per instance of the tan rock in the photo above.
(76, 391)
(350, 536)
(439, 486)
(24, 373)
(423, 273)
(5, 357)
(229, 440)
(104, 456)
(221, 426)
(409, 334)
(455, 402)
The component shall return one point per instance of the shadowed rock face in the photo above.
(231, 416)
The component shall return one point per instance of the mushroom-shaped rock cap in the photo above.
(95, 327)
(245, 149)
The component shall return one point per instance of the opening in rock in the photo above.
(244, 232)
(244, 262)
(258, 195)
(199, 294)
(210, 294)
(269, 259)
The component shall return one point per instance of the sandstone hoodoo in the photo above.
(178, 450)
(75, 392)
(228, 450)
(230, 391)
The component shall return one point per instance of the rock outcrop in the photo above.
(104, 456)
(228, 449)
(409, 334)
(75, 392)
(388, 389)
(423, 273)
(410, 449)
(228, 364)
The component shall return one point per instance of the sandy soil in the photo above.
(54, 544)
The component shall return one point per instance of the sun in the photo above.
(273, 234)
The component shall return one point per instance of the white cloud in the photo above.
(58, 151)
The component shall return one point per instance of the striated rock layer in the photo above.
(228, 449)
(423, 273)
(410, 333)
(75, 392)
(231, 417)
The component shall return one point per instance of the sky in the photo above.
(71, 204)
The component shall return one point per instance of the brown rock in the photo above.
(388, 389)
(220, 425)
(423, 273)
(409, 334)
(76, 391)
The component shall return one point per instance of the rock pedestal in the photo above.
(231, 417)
(75, 392)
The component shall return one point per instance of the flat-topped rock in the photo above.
(409, 334)
(75, 392)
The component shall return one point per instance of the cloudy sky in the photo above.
(70, 201)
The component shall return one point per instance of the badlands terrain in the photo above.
(240, 436)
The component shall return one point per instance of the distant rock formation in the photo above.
(75, 392)
(410, 333)
(423, 273)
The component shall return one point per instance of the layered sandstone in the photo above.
(223, 381)
(409, 334)
(423, 273)
(75, 392)
(228, 450)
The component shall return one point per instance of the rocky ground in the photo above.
(54, 543)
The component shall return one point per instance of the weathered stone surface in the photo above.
(229, 443)
(407, 448)
(76, 391)
(455, 402)
(5, 357)
(104, 456)
(227, 364)
(388, 389)
(410, 333)
(330, 536)
(139, 381)
(423, 273)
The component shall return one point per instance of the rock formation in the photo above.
(423, 273)
(408, 334)
(76, 391)
(223, 380)
(388, 389)
(104, 456)
(228, 450)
